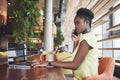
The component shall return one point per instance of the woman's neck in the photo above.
(86, 31)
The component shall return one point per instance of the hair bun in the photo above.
(86, 12)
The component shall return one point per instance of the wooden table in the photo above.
(15, 73)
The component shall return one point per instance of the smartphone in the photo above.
(75, 33)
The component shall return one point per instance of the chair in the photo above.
(105, 69)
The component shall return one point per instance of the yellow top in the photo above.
(89, 66)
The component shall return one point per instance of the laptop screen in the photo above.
(16, 50)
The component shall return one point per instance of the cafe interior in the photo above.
(30, 28)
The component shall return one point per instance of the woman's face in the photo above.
(80, 24)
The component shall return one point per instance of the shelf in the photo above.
(85, 3)
(111, 38)
(105, 7)
(116, 27)
(90, 4)
(109, 48)
(107, 14)
(99, 5)
(100, 22)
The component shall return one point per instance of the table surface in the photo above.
(18, 73)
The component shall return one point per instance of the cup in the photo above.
(43, 57)
(50, 57)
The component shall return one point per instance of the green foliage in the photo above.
(24, 18)
(60, 38)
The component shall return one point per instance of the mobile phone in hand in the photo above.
(75, 33)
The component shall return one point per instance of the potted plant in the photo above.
(25, 15)
(59, 38)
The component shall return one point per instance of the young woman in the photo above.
(85, 54)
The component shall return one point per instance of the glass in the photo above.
(43, 57)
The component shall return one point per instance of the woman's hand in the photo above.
(39, 64)
(74, 38)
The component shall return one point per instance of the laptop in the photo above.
(20, 63)
(17, 51)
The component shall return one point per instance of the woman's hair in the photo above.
(86, 14)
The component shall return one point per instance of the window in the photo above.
(98, 32)
(115, 20)
(116, 43)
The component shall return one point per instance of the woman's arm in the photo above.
(80, 56)
(78, 59)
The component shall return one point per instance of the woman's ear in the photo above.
(87, 21)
